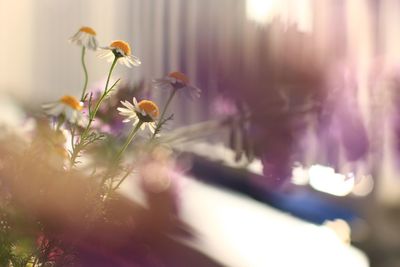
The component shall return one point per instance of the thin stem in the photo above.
(92, 115)
(85, 72)
(171, 96)
(75, 153)
(131, 135)
(121, 181)
(118, 156)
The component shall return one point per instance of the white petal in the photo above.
(133, 117)
(163, 84)
(171, 79)
(152, 127)
(54, 110)
(49, 105)
(193, 91)
(166, 86)
(77, 38)
(159, 81)
(126, 114)
(122, 109)
(92, 43)
(128, 105)
(126, 110)
(135, 61)
(69, 114)
(125, 61)
(105, 53)
(135, 121)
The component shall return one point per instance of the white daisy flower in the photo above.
(145, 111)
(122, 51)
(85, 37)
(68, 106)
(177, 81)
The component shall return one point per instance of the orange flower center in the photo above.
(149, 107)
(87, 30)
(179, 76)
(123, 46)
(72, 102)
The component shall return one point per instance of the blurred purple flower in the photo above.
(288, 89)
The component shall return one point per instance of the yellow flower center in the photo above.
(88, 30)
(72, 102)
(179, 76)
(123, 46)
(149, 107)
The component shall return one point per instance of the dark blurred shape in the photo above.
(306, 205)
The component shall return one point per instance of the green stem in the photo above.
(118, 156)
(92, 115)
(120, 181)
(131, 135)
(171, 96)
(85, 72)
(104, 93)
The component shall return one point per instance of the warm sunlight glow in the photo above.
(299, 12)
(299, 175)
(325, 179)
(259, 10)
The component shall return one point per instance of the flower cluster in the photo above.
(65, 148)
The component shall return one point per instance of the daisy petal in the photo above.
(125, 61)
(135, 61)
(128, 105)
